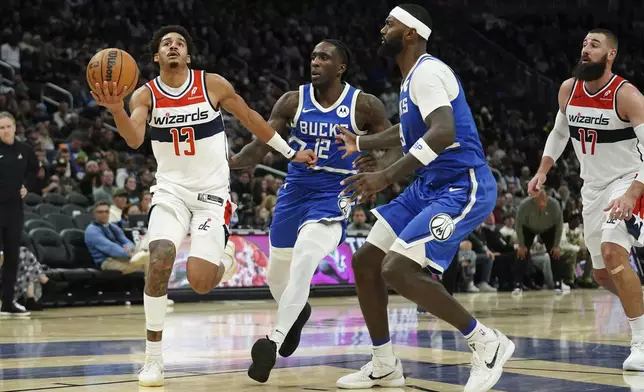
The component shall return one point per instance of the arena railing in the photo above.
(50, 99)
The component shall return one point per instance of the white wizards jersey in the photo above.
(605, 144)
(188, 138)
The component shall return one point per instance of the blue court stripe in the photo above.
(450, 374)
(589, 354)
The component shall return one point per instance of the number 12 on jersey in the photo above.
(190, 139)
(322, 146)
(585, 134)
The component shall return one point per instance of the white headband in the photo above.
(411, 21)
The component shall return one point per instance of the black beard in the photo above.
(391, 47)
(590, 71)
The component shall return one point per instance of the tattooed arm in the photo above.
(282, 114)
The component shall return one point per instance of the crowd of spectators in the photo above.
(262, 48)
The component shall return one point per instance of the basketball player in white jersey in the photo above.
(603, 115)
(181, 107)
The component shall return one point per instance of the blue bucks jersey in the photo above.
(465, 153)
(314, 127)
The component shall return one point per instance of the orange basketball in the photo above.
(113, 65)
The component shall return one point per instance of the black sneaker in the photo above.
(264, 355)
(32, 305)
(292, 339)
(13, 309)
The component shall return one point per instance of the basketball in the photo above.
(113, 65)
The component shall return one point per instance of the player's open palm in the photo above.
(306, 156)
(112, 100)
(535, 185)
(349, 140)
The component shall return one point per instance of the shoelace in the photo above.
(147, 365)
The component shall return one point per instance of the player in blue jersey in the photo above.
(310, 216)
(453, 193)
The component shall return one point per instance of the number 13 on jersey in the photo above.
(190, 139)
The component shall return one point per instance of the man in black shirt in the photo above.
(18, 168)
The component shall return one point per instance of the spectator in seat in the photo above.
(508, 269)
(119, 201)
(359, 220)
(541, 215)
(146, 201)
(105, 192)
(109, 246)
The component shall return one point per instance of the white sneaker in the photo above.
(486, 288)
(229, 261)
(487, 362)
(374, 373)
(471, 288)
(564, 287)
(151, 375)
(635, 361)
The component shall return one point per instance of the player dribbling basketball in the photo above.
(192, 191)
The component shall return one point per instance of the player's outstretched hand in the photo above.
(365, 184)
(366, 163)
(622, 207)
(349, 140)
(534, 186)
(111, 100)
(306, 156)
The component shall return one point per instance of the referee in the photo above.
(18, 168)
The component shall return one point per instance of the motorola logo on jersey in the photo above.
(581, 119)
(342, 111)
(172, 119)
(320, 129)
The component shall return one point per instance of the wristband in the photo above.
(358, 143)
(423, 152)
(280, 145)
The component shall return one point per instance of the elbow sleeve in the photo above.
(558, 138)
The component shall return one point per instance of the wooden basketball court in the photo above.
(575, 342)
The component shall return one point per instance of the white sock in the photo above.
(154, 350)
(637, 327)
(481, 334)
(314, 242)
(277, 337)
(385, 354)
(155, 310)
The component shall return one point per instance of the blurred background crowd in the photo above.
(510, 62)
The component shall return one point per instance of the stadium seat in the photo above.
(44, 209)
(83, 220)
(26, 207)
(55, 199)
(60, 221)
(74, 240)
(50, 249)
(77, 199)
(25, 241)
(31, 215)
(72, 209)
(32, 199)
(37, 224)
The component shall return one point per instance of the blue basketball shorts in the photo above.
(297, 206)
(428, 224)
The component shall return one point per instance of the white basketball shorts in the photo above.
(177, 211)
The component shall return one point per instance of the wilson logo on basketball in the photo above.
(111, 62)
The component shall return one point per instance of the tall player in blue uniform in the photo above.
(310, 215)
(453, 193)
